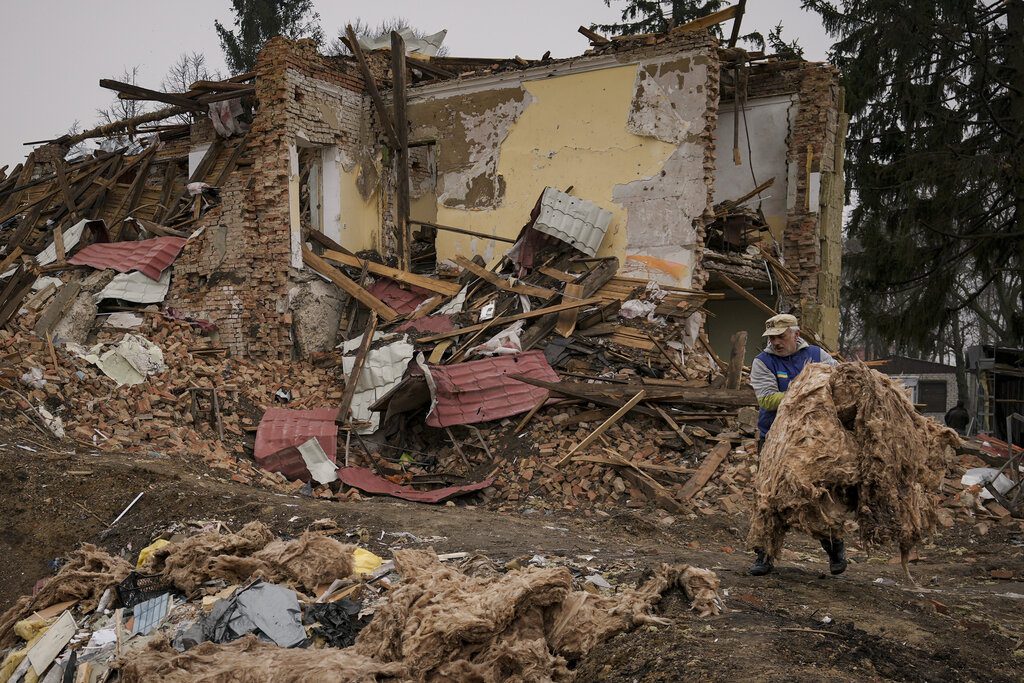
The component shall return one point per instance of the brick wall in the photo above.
(237, 274)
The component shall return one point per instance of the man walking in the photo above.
(783, 358)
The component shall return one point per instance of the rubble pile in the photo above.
(418, 616)
(171, 413)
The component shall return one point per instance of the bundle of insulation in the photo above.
(847, 439)
(306, 562)
(87, 574)
(439, 624)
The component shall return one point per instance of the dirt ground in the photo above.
(798, 624)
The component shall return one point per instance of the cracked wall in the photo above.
(631, 132)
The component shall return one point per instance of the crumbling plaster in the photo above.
(631, 137)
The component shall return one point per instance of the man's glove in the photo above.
(771, 401)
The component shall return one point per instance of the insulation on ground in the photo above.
(847, 440)
(439, 624)
(306, 562)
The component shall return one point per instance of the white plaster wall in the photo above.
(195, 157)
(331, 197)
(769, 121)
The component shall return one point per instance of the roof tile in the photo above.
(150, 257)
(480, 390)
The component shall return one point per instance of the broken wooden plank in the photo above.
(138, 92)
(421, 281)
(65, 190)
(616, 394)
(652, 488)
(705, 471)
(652, 466)
(55, 311)
(17, 288)
(672, 423)
(739, 350)
(556, 274)
(708, 21)
(561, 388)
(510, 318)
(371, 87)
(529, 416)
(337, 277)
(591, 283)
(590, 438)
(668, 356)
(501, 283)
(398, 95)
(594, 37)
(566, 322)
(463, 231)
(357, 368)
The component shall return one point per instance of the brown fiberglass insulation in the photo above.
(847, 439)
(439, 624)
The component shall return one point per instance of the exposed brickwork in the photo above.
(237, 274)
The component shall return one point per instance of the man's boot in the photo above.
(836, 550)
(762, 564)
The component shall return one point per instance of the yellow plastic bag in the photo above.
(148, 551)
(366, 562)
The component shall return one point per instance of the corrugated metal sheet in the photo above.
(433, 324)
(136, 287)
(382, 371)
(150, 257)
(575, 221)
(282, 431)
(402, 300)
(365, 480)
(480, 390)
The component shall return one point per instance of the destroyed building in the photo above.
(698, 167)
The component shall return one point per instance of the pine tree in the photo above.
(935, 157)
(659, 16)
(257, 21)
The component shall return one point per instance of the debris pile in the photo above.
(233, 605)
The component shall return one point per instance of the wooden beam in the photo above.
(561, 388)
(131, 198)
(668, 356)
(324, 241)
(357, 369)
(463, 231)
(731, 284)
(138, 92)
(55, 311)
(674, 426)
(18, 287)
(734, 36)
(24, 178)
(422, 281)
(705, 471)
(501, 283)
(593, 36)
(371, 87)
(510, 318)
(337, 277)
(398, 95)
(615, 394)
(739, 351)
(9, 259)
(708, 21)
(566, 322)
(591, 282)
(615, 417)
(65, 190)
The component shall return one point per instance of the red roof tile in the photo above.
(149, 257)
(365, 480)
(480, 391)
(402, 300)
(282, 430)
(433, 324)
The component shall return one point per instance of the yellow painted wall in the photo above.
(360, 218)
(573, 132)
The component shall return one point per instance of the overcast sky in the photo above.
(57, 50)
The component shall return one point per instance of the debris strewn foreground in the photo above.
(848, 439)
(436, 623)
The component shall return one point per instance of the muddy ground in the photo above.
(797, 624)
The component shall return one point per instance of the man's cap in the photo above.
(778, 324)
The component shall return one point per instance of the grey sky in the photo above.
(57, 50)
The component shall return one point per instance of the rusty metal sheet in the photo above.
(365, 480)
(282, 431)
